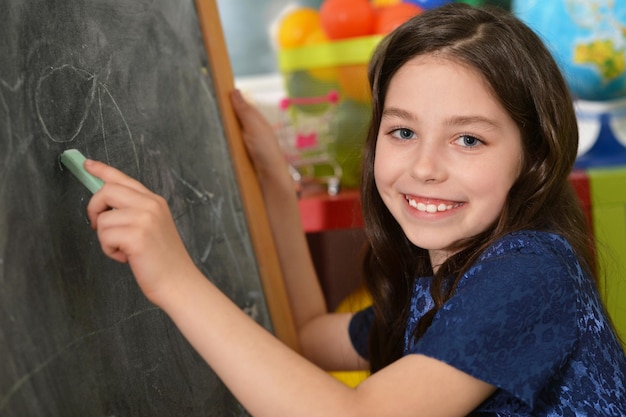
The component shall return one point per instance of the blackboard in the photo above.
(143, 86)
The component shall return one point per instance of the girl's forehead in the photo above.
(417, 70)
(439, 73)
(445, 61)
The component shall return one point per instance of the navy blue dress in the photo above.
(528, 320)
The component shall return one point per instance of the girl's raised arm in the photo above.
(315, 327)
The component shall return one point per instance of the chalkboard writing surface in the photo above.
(141, 85)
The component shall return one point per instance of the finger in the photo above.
(115, 254)
(108, 173)
(240, 104)
(120, 196)
(125, 231)
(108, 246)
(259, 137)
(144, 235)
(113, 228)
(249, 116)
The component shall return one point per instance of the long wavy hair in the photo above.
(525, 79)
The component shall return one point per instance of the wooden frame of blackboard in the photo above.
(252, 200)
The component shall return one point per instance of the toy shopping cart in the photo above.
(307, 135)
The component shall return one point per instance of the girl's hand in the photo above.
(135, 225)
(260, 139)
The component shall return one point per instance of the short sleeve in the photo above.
(511, 322)
(359, 329)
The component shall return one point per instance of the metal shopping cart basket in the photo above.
(307, 134)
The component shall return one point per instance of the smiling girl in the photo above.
(478, 254)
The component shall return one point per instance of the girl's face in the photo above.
(447, 153)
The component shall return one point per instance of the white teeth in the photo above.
(431, 208)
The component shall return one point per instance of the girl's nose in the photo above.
(428, 163)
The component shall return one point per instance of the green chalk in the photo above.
(74, 160)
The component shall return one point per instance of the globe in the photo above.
(587, 39)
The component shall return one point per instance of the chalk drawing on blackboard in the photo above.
(75, 93)
(72, 79)
(67, 97)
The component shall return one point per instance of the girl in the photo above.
(478, 256)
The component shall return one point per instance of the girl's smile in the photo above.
(447, 153)
(429, 205)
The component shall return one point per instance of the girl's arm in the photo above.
(315, 327)
(282, 207)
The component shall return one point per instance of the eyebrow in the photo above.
(472, 120)
(396, 112)
(453, 121)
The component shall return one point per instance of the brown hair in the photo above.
(526, 80)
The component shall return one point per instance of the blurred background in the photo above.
(247, 26)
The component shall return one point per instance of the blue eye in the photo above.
(469, 141)
(403, 133)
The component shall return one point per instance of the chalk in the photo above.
(74, 161)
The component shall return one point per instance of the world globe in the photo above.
(588, 40)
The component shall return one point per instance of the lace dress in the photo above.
(526, 319)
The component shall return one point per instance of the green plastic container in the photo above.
(338, 66)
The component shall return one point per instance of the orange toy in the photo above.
(296, 26)
(381, 3)
(390, 17)
(347, 18)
